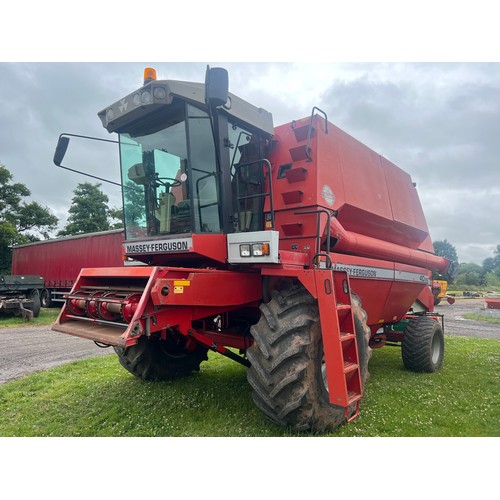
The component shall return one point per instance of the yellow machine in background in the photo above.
(439, 289)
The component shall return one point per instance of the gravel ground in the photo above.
(456, 324)
(25, 350)
(29, 349)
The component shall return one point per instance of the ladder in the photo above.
(339, 339)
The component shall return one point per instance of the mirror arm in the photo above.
(89, 137)
(62, 146)
(90, 175)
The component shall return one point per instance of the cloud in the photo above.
(440, 123)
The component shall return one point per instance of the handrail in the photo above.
(309, 131)
(319, 253)
(263, 162)
(200, 206)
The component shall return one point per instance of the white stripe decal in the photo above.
(380, 273)
(407, 276)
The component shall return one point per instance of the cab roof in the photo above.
(159, 94)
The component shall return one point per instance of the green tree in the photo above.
(473, 278)
(496, 257)
(134, 208)
(20, 222)
(466, 267)
(445, 249)
(470, 274)
(488, 264)
(491, 265)
(89, 211)
(492, 280)
(116, 215)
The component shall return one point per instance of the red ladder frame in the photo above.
(339, 339)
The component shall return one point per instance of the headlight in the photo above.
(257, 250)
(260, 249)
(245, 250)
(159, 93)
(146, 97)
(254, 249)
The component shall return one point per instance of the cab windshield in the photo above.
(169, 174)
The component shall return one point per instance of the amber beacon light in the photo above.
(149, 75)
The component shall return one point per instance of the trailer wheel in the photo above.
(157, 359)
(423, 345)
(287, 362)
(35, 297)
(45, 298)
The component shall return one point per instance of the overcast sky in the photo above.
(438, 121)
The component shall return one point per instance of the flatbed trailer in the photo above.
(20, 295)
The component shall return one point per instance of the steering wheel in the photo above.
(160, 181)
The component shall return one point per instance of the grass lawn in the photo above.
(97, 397)
(46, 317)
(478, 317)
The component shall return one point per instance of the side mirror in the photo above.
(216, 87)
(61, 148)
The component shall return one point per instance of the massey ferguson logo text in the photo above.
(158, 246)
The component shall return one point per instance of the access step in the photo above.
(350, 367)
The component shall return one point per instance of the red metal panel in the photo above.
(384, 298)
(374, 294)
(363, 179)
(427, 245)
(406, 208)
(215, 288)
(213, 246)
(374, 197)
(492, 303)
(405, 203)
(123, 272)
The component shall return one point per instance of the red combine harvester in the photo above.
(292, 250)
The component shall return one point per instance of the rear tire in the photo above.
(287, 361)
(35, 297)
(45, 298)
(156, 359)
(423, 345)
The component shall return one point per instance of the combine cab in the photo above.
(292, 250)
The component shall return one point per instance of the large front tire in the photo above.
(157, 359)
(422, 348)
(287, 361)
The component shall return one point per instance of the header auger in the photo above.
(293, 250)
